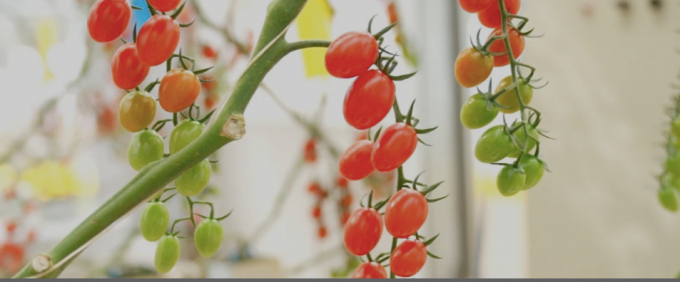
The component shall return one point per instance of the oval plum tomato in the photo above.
(193, 181)
(208, 237)
(408, 258)
(394, 147)
(405, 213)
(108, 19)
(472, 67)
(363, 231)
(491, 16)
(510, 181)
(509, 99)
(369, 99)
(668, 199)
(498, 46)
(355, 163)
(127, 69)
(167, 253)
(164, 5)
(474, 6)
(533, 169)
(186, 132)
(522, 137)
(477, 112)
(136, 111)
(370, 270)
(494, 145)
(351, 54)
(157, 39)
(154, 221)
(145, 147)
(179, 89)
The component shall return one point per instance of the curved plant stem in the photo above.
(227, 125)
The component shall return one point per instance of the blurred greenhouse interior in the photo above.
(611, 66)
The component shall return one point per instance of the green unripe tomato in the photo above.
(192, 182)
(208, 237)
(667, 199)
(509, 98)
(477, 112)
(186, 132)
(154, 221)
(533, 169)
(167, 253)
(521, 135)
(675, 127)
(494, 145)
(673, 164)
(510, 181)
(136, 111)
(145, 147)
(670, 181)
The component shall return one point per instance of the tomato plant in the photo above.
(508, 100)
(167, 253)
(498, 46)
(521, 136)
(192, 182)
(491, 16)
(154, 221)
(405, 213)
(164, 5)
(157, 40)
(363, 231)
(408, 258)
(186, 132)
(477, 112)
(145, 147)
(136, 111)
(370, 270)
(127, 69)
(108, 19)
(369, 99)
(351, 54)
(510, 180)
(208, 237)
(179, 90)
(472, 67)
(355, 163)
(394, 147)
(494, 145)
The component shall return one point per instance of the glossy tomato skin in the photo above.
(145, 147)
(509, 99)
(157, 39)
(369, 99)
(408, 258)
(193, 181)
(363, 231)
(179, 89)
(405, 213)
(127, 69)
(167, 253)
(136, 111)
(494, 145)
(533, 169)
(355, 162)
(394, 147)
(517, 44)
(108, 19)
(472, 67)
(474, 6)
(154, 221)
(370, 270)
(510, 181)
(491, 16)
(351, 54)
(477, 112)
(164, 5)
(208, 237)
(186, 132)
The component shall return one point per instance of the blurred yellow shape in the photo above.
(485, 186)
(52, 179)
(314, 22)
(8, 176)
(46, 34)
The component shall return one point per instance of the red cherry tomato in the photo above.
(394, 147)
(314, 188)
(127, 69)
(344, 218)
(355, 162)
(11, 257)
(11, 226)
(164, 5)
(179, 89)
(346, 201)
(369, 99)
(322, 232)
(310, 151)
(209, 52)
(157, 39)
(363, 231)
(405, 213)
(408, 258)
(474, 6)
(342, 182)
(351, 54)
(491, 16)
(498, 46)
(316, 212)
(108, 19)
(370, 270)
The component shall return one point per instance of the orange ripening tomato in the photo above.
(351, 54)
(127, 69)
(363, 231)
(491, 16)
(370, 270)
(157, 39)
(355, 162)
(346, 200)
(179, 89)
(498, 46)
(209, 52)
(405, 213)
(408, 258)
(472, 68)
(164, 5)
(108, 19)
(474, 6)
(394, 147)
(369, 99)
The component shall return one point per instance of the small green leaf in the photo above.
(437, 199)
(432, 255)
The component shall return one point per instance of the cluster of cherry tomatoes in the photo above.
(179, 88)
(367, 102)
(473, 66)
(670, 178)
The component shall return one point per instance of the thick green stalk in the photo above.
(227, 125)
